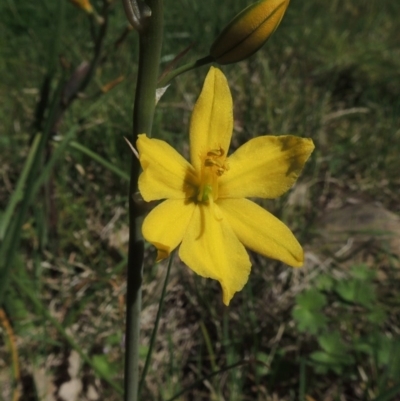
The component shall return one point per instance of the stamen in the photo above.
(216, 152)
(210, 163)
(220, 171)
(214, 166)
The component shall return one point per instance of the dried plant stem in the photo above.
(5, 323)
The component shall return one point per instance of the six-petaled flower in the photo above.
(206, 210)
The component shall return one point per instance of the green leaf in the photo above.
(312, 300)
(114, 339)
(103, 365)
(377, 316)
(262, 366)
(356, 291)
(332, 343)
(321, 358)
(324, 282)
(326, 361)
(381, 347)
(363, 272)
(308, 320)
(360, 345)
(335, 355)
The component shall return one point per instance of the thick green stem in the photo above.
(150, 40)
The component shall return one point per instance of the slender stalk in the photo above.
(150, 40)
(155, 328)
(186, 67)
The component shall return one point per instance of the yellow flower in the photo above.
(206, 210)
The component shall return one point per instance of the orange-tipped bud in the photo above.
(84, 5)
(248, 31)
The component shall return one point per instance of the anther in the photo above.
(216, 152)
(211, 163)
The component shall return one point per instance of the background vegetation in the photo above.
(329, 331)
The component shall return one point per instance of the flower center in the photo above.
(213, 166)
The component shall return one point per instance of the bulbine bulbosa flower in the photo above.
(206, 210)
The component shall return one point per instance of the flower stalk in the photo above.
(150, 40)
(184, 68)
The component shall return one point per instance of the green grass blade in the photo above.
(57, 154)
(209, 347)
(302, 382)
(389, 394)
(12, 237)
(210, 376)
(18, 193)
(100, 160)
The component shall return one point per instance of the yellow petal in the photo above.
(211, 249)
(166, 174)
(211, 123)
(265, 167)
(262, 232)
(166, 224)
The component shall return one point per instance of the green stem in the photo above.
(187, 67)
(150, 40)
(155, 328)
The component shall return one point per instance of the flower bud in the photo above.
(248, 31)
(84, 5)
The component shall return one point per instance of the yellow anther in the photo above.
(216, 152)
(210, 163)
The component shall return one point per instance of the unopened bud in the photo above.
(248, 31)
(84, 5)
